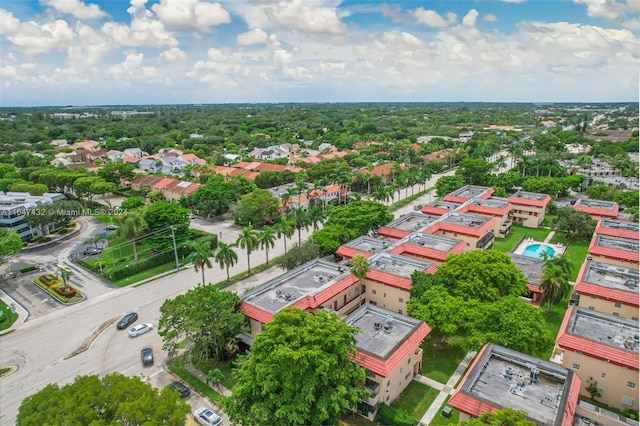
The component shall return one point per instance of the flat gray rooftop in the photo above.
(371, 245)
(441, 204)
(436, 242)
(617, 332)
(615, 277)
(616, 243)
(286, 289)
(381, 331)
(506, 378)
(529, 195)
(621, 224)
(402, 266)
(411, 222)
(463, 219)
(530, 267)
(469, 191)
(496, 203)
(277, 191)
(597, 204)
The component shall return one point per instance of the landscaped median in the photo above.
(59, 289)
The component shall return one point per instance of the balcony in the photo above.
(557, 356)
(374, 390)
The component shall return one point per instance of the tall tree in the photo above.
(205, 318)
(316, 216)
(573, 223)
(359, 268)
(248, 239)
(200, 257)
(133, 225)
(301, 220)
(319, 347)
(504, 417)
(112, 399)
(226, 257)
(554, 285)
(10, 242)
(285, 229)
(267, 239)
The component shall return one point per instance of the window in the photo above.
(600, 391)
(627, 401)
(388, 383)
(616, 314)
(384, 294)
(374, 303)
(409, 361)
(618, 304)
(400, 299)
(576, 366)
(631, 385)
(592, 308)
(594, 297)
(373, 291)
(603, 375)
(407, 376)
(400, 311)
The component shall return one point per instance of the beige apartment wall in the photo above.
(615, 262)
(392, 386)
(609, 307)
(613, 384)
(391, 298)
(499, 220)
(337, 302)
(255, 328)
(520, 214)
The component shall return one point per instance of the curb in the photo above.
(14, 302)
(79, 227)
(86, 344)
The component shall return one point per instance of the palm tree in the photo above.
(413, 177)
(359, 268)
(300, 219)
(94, 240)
(200, 257)
(133, 226)
(226, 257)
(248, 239)
(301, 186)
(554, 285)
(285, 229)
(285, 197)
(215, 376)
(316, 216)
(561, 261)
(267, 239)
(64, 274)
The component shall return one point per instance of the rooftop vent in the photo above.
(377, 325)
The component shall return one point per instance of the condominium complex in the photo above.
(597, 209)
(528, 208)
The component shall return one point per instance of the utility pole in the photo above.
(175, 249)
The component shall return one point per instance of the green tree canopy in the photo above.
(300, 371)
(10, 242)
(505, 417)
(474, 171)
(206, 318)
(360, 216)
(160, 217)
(573, 223)
(258, 208)
(298, 255)
(447, 184)
(112, 400)
(213, 198)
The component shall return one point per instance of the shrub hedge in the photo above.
(391, 416)
(28, 268)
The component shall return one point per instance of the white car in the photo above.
(140, 329)
(207, 417)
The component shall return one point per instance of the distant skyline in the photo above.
(70, 52)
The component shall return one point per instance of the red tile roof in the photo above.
(349, 253)
(572, 401)
(612, 253)
(521, 201)
(467, 403)
(393, 233)
(427, 252)
(163, 183)
(615, 232)
(385, 367)
(256, 313)
(434, 211)
(595, 211)
(594, 349)
(461, 229)
(389, 279)
(615, 295)
(493, 211)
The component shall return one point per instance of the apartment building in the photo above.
(433, 248)
(597, 209)
(614, 251)
(601, 348)
(475, 231)
(439, 207)
(388, 347)
(14, 206)
(500, 377)
(531, 268)
(469, 192)
(497, 208)
(609, 289)
(365, 246)
(528, 208)
(406, 225)
(388, 282)
(172, 189)
(618, 228)
(388, 342)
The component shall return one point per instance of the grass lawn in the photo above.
(438, 420)
(546, 222)
(177, 368)
(439, 361)
(149, 273)
(349, 418)
(8, 316)
(517, 232)
(576, 252)
(553, 320)
(416, 399)
(229, 381)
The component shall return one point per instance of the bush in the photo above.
(144, 264)
(65, 291)
(28, 268)
(63, 231)
(390, 416)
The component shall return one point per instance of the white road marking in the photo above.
(130, 368)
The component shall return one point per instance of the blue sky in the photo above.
(74, 52)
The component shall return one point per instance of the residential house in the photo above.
(609, 289)
(603, 350)
(88, 145)
(501, 377)
(475, 231)
(615, 251)
(528, 208)
(133, 152)
(497, 208)
(439, 207)
(597, 209)
(114, 155)
(193, 159)
(618, 228)
(433, 248)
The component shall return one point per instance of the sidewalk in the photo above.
(445, 390)
(23, 314)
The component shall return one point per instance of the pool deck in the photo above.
(558, 248)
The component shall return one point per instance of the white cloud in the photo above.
(190, 14)
(489, 17)
(34, 37)
(134, 69)
(143, 31)
(174, 55)
(76, 8)
(611, 10)
(9, 24)
(254, 36)
(469, 19)
(431, 18)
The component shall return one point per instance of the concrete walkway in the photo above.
(549, 237)
(445, 390)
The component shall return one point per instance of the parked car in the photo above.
(126, 321)
(181, 388)
(140, 329)
(207, 417)
(146, 355)
(92, 251)
(417, 207)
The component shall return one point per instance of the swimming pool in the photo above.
(536, 250)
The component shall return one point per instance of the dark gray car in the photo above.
(146, 355)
